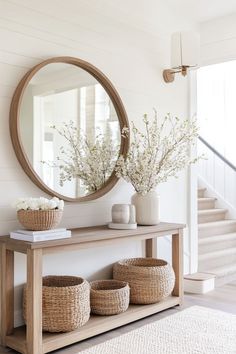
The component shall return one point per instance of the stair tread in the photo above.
(206, 199)
(217, 238)
(218, 253)
(223, 270)
(217, 223)
(212, 211)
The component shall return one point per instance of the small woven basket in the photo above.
(66, 303)
(150, 279)
(109, 297)
(39, 220)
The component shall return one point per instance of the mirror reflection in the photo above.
(69, 129)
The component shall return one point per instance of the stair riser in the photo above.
(200, 193)
(217, 246)
(206, 205)
(211, 263)
(220, 230)
(211, 217)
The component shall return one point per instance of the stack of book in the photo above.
(38, 236)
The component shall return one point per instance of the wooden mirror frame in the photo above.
(15, 129)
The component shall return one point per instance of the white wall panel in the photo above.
(230, 185)
(219, 171)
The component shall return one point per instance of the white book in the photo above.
(44, 232)
(43, 237)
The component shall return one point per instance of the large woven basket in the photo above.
(109, 297)
(39, 220)
(66, 303)
(150, 279)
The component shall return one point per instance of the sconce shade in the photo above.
(185, 49)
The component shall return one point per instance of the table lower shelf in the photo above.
(96, 325)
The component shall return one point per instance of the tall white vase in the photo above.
(147, 208)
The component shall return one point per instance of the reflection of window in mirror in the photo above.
(52, 109)
(48, 154)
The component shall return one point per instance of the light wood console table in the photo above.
(30, 339)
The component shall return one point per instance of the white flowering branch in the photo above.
(158, 153)
(92, 162)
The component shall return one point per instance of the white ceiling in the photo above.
(204, 10)
(196, 10)
(151, 14)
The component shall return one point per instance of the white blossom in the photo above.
(33, 204)
(61, 204)
(21, 205)
(158, 153)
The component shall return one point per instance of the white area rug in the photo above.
(196, 330)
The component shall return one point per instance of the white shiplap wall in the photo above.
(31, 31)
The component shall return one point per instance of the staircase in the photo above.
(217, 240)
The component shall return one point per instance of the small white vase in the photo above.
(147, 208)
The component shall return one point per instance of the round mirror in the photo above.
(66, 120)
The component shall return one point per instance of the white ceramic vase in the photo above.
(147, 208)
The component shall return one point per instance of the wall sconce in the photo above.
(185, 50)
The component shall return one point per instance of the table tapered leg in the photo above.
(34, 302)
(177, 263)
(7, 293)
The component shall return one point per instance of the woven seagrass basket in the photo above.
(150, 279)
(39, 220)
(65, 303)
(109, 297)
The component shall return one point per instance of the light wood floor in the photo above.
(223, 298)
